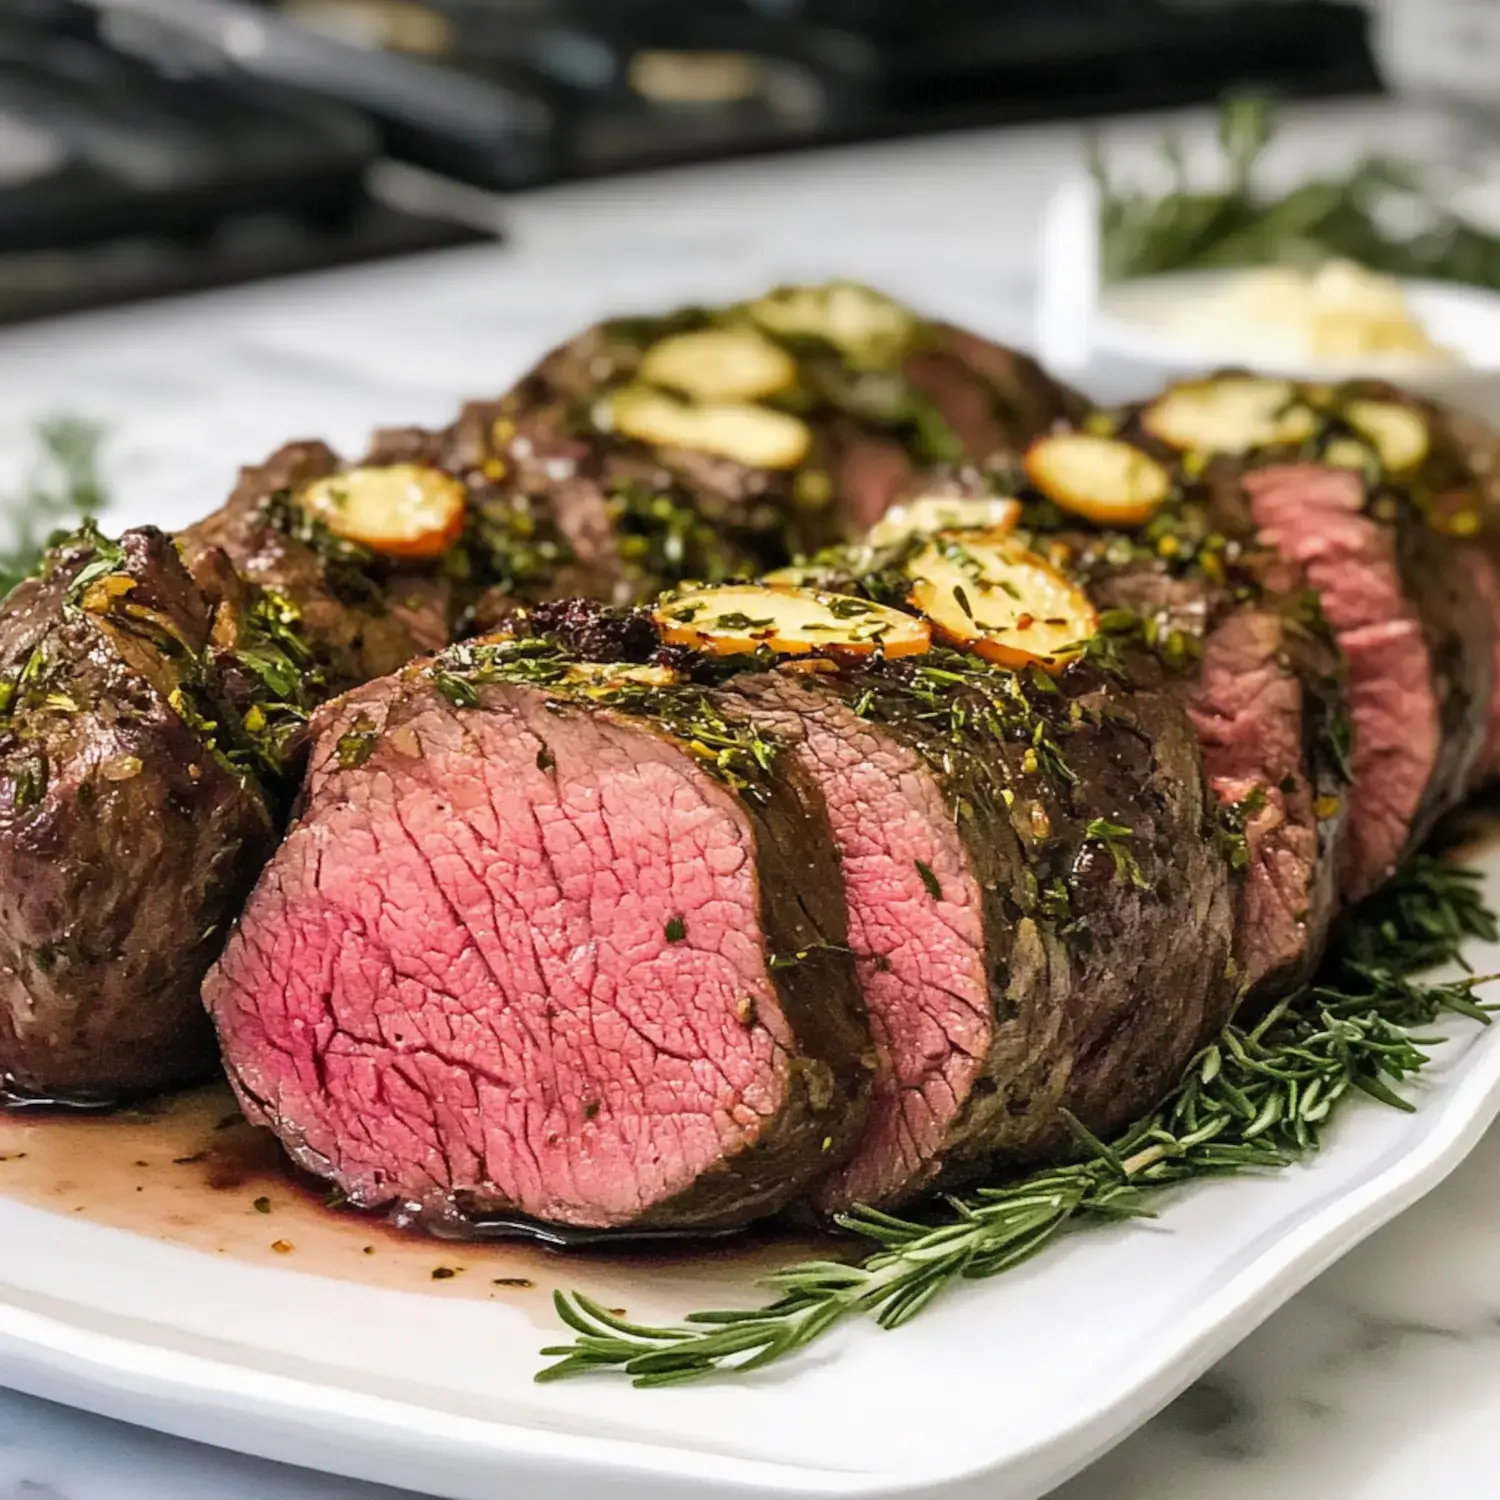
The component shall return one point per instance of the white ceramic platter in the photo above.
(1001, 1390)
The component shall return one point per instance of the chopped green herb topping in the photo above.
(1116, 837)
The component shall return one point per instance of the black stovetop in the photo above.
(155, 145)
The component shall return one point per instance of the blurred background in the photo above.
(157, 145)
(476, 179)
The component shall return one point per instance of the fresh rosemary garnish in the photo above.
(63, 485)
(1259, 1098)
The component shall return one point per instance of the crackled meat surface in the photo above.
(529, 956)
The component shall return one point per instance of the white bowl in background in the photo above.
(1139, 322)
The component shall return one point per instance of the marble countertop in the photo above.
(1381, 1381)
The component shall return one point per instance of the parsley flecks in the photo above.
(934, 887)
(676, 930)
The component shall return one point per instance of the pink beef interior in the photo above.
(1247, 708)
(456, 976)
(1314, 516)
(920, 959)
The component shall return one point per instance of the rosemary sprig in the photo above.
(64, 484)
(1259, 1098)
(1381, 214)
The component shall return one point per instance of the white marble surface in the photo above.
(1382, 1380)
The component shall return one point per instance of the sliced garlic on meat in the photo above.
(1346, 453)
(403, 510)
(754, 436)
(719, 364)
(732, 619)
(929, 513)
(1102, 479)
(996, 598)
(867, 327)
(1398, 434)
(1230, 414)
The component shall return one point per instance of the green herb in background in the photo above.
(1237, 225)
(64, 486)
(1259, 1098)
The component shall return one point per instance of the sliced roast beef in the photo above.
(154, 699)
(1460, 489)
(1022, 869)
(1355, 485)
(130, 836)
(1261, 678)
(562, 948)
(1416, 642)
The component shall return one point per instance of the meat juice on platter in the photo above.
(189, 1171)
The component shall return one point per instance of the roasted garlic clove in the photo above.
(1397, 433)
(754, 436)
(992, 596)
(719, 364)
(1103, 479)
(931, 513)
(401, 510)
(733, 619)
(1230, 414)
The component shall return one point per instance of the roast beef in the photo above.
(882, 402)
(154, 699)
(1022, 868)
(572, 949)
(1245, 649)
(132, 826)
(1404, 592)
(1459, 490)
(1416, 643)
(364, 615)
(1261, 677)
